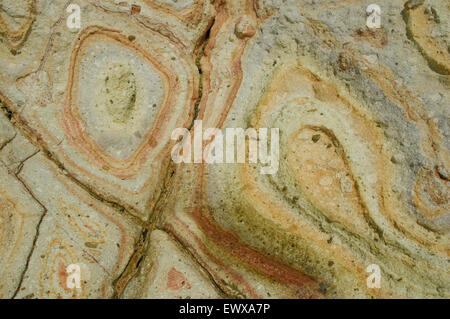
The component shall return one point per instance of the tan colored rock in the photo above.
(168, 272)
(76, 229)
(422, 26)
(16, 151)
(6, 131)
(20, 215)
(340, 115)
(86, 142)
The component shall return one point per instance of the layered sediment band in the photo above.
(125, 89)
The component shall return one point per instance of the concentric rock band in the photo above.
(86, 140)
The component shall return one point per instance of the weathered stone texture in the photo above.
(87, 176)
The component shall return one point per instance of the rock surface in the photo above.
(86, 128)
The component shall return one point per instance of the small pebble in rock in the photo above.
(315, 138)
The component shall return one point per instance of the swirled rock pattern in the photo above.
(86, 144)
(19, 218)
(169, 272)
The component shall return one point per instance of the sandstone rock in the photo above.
(168, 272)
(20, 214)
(76, 229)
(87, 176)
